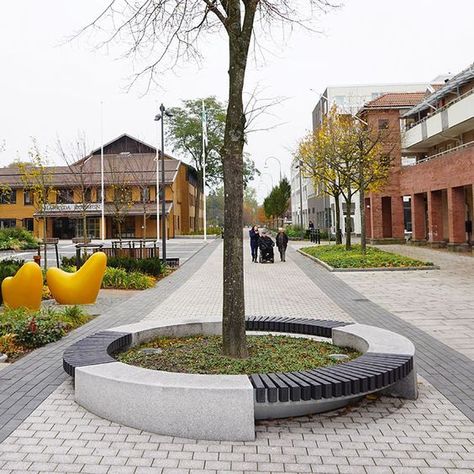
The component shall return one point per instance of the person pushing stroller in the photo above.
(266, 244)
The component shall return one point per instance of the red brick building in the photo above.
(430, 190)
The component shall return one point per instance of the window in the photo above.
(7, 223)
(27, 197)
(88, 195)
(383, 124)
(340, 100)
(344, 208)
(64, 196)
(8, 196)
(28, 224)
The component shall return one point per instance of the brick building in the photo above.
(433, 174)
(75, 193)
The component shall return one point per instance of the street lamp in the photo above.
(298, 167)
(161, 116)
(274, 158)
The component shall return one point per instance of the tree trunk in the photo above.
(363, 233)
(44, 242)
(338, 220)
(233, 317)
(348, 201)
(84, 228)
(144, 225)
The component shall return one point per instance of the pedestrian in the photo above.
(254, 236)
(282, 243)
(311, 225)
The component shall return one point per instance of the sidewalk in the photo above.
(388, 435)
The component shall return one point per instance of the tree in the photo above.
(171, 30)
(250, 206)
(120, 191)
(215, 206)
(185, 133)
(74, 155)
(36, 178)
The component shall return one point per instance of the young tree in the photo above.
(164, 27)
(120, 195)
(37, 178)
(80, 178)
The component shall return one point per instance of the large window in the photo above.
(8, 196)
(28, 224)
(7, 223)
(64, 196)
(145, 194)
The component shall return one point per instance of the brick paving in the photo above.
(385, 435)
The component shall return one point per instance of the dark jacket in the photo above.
(282, 240)
(254, 236)
(265, 243)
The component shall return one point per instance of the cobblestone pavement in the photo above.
(385, 435)
(440, 302)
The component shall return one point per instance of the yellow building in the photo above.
(130, 195)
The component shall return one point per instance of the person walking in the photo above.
(254, 236)
(282, 243)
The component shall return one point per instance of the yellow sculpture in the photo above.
(81, 287)
(24, 290)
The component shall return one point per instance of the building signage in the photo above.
(72, 207)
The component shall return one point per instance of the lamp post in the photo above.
(161, 116)
(298, 166)
(274, 158)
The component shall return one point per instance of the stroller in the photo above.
(266, 244)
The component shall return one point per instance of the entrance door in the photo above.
(63, 228)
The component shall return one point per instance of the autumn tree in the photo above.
(170, 31)
(79, 177)
(37, 178)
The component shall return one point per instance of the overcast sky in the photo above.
(49, 89)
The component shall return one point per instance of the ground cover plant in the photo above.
(338, 257)
(203, 355)
(17, 239)
(22, 330)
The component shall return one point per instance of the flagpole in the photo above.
(204, 146)
(102, 186)
(157, 158)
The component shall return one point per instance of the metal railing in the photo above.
(440, 109)
(446, 152)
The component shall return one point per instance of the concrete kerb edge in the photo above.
(380, 269)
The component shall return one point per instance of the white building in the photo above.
(349, 99)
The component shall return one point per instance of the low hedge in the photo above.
(17, 238)
(338, 257)
(149, 266)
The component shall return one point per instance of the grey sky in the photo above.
(49, 91)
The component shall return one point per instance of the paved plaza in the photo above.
(42, 429)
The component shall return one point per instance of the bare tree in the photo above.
(80, 178)
(169, 31)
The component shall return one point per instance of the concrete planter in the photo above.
(224, 407)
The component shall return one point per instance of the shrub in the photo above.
(211, 230)
(150, 266)
(21, 329)
(118, 278)
(16, 238)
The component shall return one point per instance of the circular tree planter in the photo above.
(224, 407)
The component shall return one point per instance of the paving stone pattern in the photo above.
(451, 372)
(386, 435)
(26, 383)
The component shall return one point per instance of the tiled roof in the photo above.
(396, 99)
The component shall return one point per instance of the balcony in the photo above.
(450, 121)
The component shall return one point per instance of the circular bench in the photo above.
(224, 407)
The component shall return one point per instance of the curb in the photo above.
(379, 269)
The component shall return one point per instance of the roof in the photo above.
(127, 169)
(396, 100)
(451, 85)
